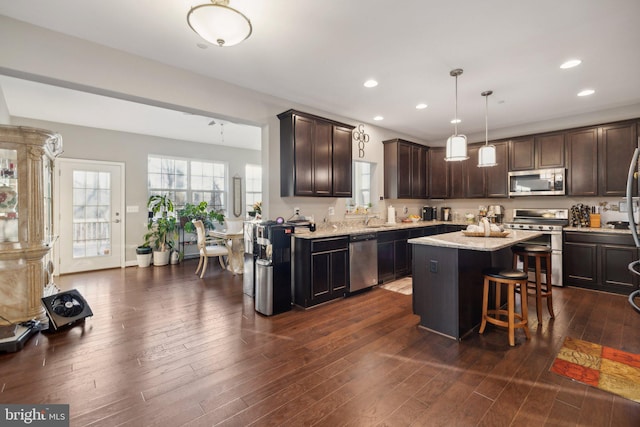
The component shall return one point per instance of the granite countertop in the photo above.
(458, 240)
(331, 231)
(598, 230)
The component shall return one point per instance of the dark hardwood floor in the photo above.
(167, 348)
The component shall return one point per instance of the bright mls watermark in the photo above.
(34, 415)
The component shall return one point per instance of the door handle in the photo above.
(117, 221)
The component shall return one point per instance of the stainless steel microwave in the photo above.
(540, 182)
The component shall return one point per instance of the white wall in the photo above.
(5, 118)
(132, 149)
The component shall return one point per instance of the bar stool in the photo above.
(539, 253)
(511, 278)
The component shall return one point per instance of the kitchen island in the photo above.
(447, 277)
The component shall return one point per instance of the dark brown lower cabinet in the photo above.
(395, 253)
(394, 259)
(599, 261)
(321, 270)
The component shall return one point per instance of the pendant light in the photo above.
(486, 154)
(219, 24)
(456, 144)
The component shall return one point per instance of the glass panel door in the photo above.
(91, 223)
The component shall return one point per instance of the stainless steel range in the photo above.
(550, 222)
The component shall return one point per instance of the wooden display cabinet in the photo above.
(26, 235)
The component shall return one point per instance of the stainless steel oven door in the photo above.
(551, 240)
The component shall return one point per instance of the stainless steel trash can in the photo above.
(264, 287)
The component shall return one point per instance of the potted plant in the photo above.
(257, 210)
(200, 211)
(143, 254)
(161, 238)
(160, 204)
(163, 230)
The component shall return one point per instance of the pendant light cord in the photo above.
(486, 120)
(486, 115)
(455, 119)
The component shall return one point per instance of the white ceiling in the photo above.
(320, 53)
(44, 102)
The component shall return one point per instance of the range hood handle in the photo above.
(630, 178)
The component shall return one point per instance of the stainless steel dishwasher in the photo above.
(363, 261)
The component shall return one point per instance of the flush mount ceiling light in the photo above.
(378, 118)
(586, 92)
(219, 24)
(570, 63)
(486, 154)
(421, 106)
(370, 83)
(456, 144)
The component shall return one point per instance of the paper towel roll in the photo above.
(391, 215)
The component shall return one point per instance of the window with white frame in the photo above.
(362, 183)
(253, 187)
(188, 181)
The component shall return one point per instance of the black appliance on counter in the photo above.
(250, 256)
(273, 268)
(429, 213)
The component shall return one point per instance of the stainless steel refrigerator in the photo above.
(634, 267)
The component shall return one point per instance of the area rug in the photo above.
(403, 286)
(599, 366)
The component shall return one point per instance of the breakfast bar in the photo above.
(447, 277)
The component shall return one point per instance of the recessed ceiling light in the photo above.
(586, 92)
(421, 106)
(370, 83)
(378, 118)
(454, 121)
(570, 63)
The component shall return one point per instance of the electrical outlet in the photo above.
(433, 266)
(296, 211)
(332, 210)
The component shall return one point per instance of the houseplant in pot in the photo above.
(143, 254)
(161, 238)
(163, 230)
(200, 211)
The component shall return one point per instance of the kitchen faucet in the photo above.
(368, 217)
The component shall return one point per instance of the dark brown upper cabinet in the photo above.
(496, 177)
(542, 151)
(616, 143)
(474, 177)
(582, 153)
(438, 173)
(467, 180)
(405, 170)
(599, 158)
(315, 156)
(457, 178)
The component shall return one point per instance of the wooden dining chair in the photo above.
(208, 248)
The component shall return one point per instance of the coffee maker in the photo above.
(429, 213)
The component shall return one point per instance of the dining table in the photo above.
(234, 242)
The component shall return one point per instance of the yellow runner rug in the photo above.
(599, 366)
